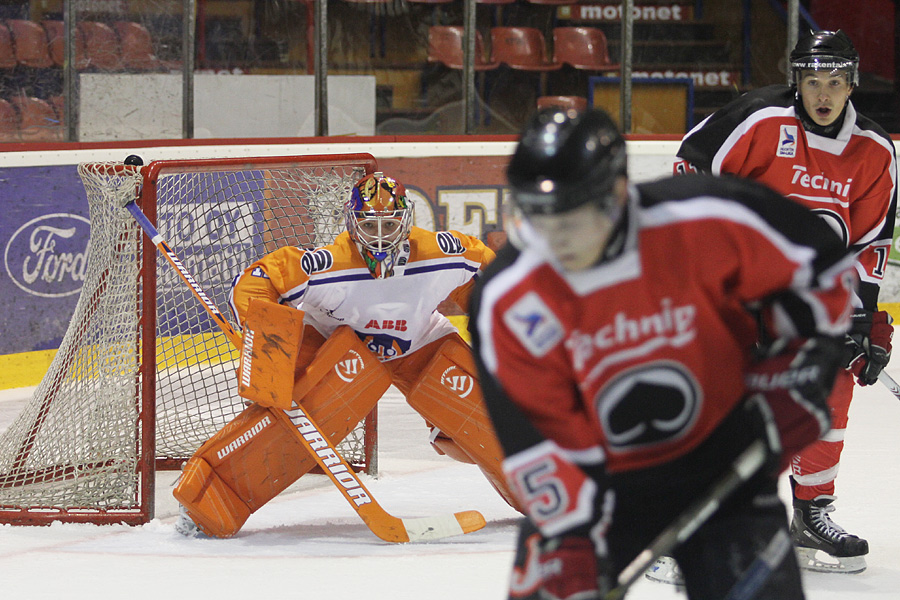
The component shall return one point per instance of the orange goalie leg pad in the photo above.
(448, 396)
(256, 456)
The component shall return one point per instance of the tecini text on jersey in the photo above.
(819, 182)
(672, 325)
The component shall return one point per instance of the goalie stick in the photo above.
(384, 525)
(743, 468)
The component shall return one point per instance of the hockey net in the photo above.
(143, 376)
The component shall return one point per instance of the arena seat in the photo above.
(578, 103)
(584, 48)
(30, 42)
(7, 52)
(56, 35)
(521, 48)
(137, 47)
(101, 45)
(9, 122)
(38, 120)
(445, 45)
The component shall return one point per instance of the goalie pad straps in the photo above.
(256, 456)
(448, 396)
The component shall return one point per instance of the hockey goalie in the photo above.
(331, 329)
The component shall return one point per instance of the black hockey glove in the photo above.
(787, 392)
(868, 344)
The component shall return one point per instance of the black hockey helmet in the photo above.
(565, 159)
(825, 51)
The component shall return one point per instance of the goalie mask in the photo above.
(830, 51)
(379, 216)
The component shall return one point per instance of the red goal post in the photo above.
(143, 376)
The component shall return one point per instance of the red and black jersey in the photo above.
(849, 179)
(638, 359)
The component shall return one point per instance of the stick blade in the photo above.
(434, 528)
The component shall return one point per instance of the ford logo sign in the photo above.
(47, 256)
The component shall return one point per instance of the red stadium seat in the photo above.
(59, 107)
(582, 47)
(39, 122)
(7, 52)
(30, 41)
(521, 48)
(445, 45)
(101, 45)
(56, 35)
(564, 102)
(137, 47)
(9, 122)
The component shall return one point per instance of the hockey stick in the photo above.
(743, 468)
(890, 384)
(384, 525)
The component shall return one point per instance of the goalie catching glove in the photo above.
(869, 344)
(787, 392)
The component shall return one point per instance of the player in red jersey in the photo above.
(807, 141)
(616, 341)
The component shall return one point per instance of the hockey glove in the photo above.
(557, 568)
(787, 395)
(869, 344)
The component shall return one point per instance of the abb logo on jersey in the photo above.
(458, 381)
(349, 367)
(396, 325)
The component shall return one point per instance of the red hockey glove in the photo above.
(869, 344)
(569, 569)
(558, 568)
(788, 392)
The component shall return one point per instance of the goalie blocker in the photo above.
(256, 456)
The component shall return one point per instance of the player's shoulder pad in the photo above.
(341, 254)
(434, 244)
(867, 124)
(781, 214)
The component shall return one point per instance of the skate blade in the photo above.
(665, 570)
(819, 561)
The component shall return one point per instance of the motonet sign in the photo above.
(613, 12)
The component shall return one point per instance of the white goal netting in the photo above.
(143, 374)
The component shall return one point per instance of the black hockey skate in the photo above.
(821, 544)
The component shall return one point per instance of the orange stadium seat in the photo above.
(30, 41)
(38, 120)
(583, 48)
(445, 45)
(521, 48)
(137, 47)
(56, 39)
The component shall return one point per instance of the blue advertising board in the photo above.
(44, 235)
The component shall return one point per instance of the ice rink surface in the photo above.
(309, 544)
